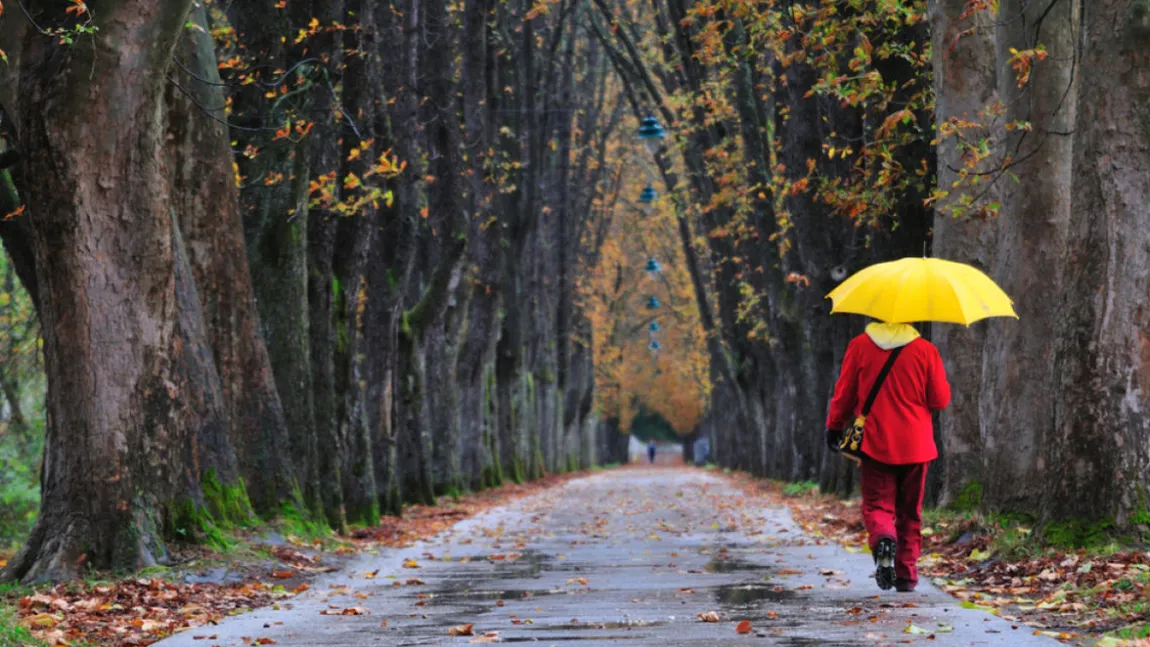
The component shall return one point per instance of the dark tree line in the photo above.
(811, 139)
(321, 258)
(302, 256)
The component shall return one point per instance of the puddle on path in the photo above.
(455, 595)
(730, 565)
(623, 624)
(741, 595)
(551, 640)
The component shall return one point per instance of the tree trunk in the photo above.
(1099, 454)
(204, 198)
(1018, 377)
(964, 81)
(275, 216)
(134, 431)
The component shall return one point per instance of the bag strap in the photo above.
(880, 379)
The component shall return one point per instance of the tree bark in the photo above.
(205, 201)
(137, 415)
(275, 216)
(1098, 453)
(1018, 377)
(965, 82)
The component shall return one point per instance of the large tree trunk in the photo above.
(1018, 378)
(964, 81)
(204, 198)
(275, 217)
(1099, 455)
(137, 415)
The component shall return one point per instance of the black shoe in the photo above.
(884, 563)
(904, 586)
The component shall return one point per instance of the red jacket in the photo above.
(899, 429)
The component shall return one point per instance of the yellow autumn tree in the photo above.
(616, 290)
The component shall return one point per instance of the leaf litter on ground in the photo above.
(138, 610)
(1072, 595)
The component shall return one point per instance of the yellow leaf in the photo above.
(41, 621)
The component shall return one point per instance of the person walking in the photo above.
(898, 439)
(651, 451)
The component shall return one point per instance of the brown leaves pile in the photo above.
(1065, 594)
(142, 611)
(133, 612)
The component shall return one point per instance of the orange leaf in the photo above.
(743, 627)
(19, 210)
(462, 630)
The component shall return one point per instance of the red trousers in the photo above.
(892, 508)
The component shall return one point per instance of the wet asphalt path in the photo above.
(629, 557)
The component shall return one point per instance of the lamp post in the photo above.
(651, 134)
(652, 269)
(647, 199)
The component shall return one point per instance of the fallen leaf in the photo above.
(489, 637)
(349, 611)
(462, 630)
(743, 627)
(41, 621)
(709, 616)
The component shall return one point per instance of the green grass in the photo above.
(19, 486)
(802, 488)
(1019, 537)
(12, 634)
(1133, 632)
(301, 524)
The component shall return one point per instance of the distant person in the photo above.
(898, 440)
(651, 451)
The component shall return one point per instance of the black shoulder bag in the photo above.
(850, 445)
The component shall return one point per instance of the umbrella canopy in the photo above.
(922, 289)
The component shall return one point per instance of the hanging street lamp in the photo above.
(651, 134)
(653, 328)
(654, 346)
(647, 199)
(652, 268)
(653, 303)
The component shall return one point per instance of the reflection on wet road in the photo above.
(635, 556)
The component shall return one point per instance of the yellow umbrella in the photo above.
(922, 289)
